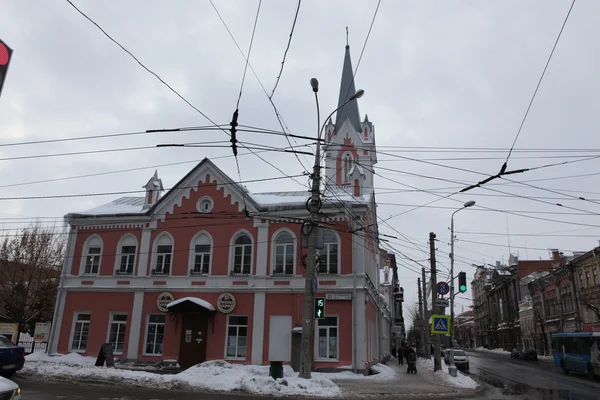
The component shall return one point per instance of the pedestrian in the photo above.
(401, 355)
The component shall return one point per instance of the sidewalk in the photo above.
(424, 384)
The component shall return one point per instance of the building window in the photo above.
(595, 276)
(284, 254)
(242, 255)
(327, 338)
(93, 252)
(116, 334)
(155, 333)
(205, 205)
(201, 251)
(587, 278)
(347, 168)
(582, 285)
(237, 337)
(164, 254)
(80, 332)
(328, 261)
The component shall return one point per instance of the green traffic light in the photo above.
(463, 288)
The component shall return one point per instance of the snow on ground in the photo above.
(507, 353)
(216, 375)
(461, 380)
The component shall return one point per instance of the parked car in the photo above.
(461, 359)
(516, 353)
(12, 357)
(529, 355)
(9, 390)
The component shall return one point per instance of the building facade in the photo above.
(480, 286)
(211, 271)
(464, 326)
(586, 268)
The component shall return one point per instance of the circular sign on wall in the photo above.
(226, 303)
(163, 300)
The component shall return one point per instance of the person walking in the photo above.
(401, 354)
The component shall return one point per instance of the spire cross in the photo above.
(347, 44)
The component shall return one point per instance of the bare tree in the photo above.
(30, 265)
(413, 312)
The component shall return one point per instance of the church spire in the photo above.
(347, 90)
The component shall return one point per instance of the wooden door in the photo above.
(192, 349)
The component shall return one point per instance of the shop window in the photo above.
(242, 255)
(155, 333)
(284, 258)
(327, 339)
(237, 337)
(93, 252)
(81, 328)
(201, 254)
(329, 255)
(163, 255)
(116, 333)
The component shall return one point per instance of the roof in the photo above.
(347, 90)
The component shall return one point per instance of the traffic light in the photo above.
(462, 282)
(319, 308)
(5, 55)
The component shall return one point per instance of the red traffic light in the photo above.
(4, 54)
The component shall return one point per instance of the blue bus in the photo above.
(577, 352)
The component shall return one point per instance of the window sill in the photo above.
(235, 358)
(77, 351)
(281, 275)
(330, 360)
(196, 273)
(89, 274)
(152, 355)
(239, 274)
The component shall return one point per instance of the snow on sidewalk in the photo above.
(461, 381)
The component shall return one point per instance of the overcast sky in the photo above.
(435, 73)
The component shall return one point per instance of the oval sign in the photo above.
(163, 300)
(226, 303)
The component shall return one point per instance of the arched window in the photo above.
(201, 254)
(126, 255)
(284, 259)
(347, 167)
(328, 260)
(163, 250)
(242, 255)
(92, 252)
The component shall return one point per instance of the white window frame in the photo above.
(274, 246)
(237, 336)
(159, 241)
(347, 164)
(232, 247)
(164, 324)
(316, 339)
(122, 325)
(85, 254)
(192, 261)
(324, 253)
(76, 315)
(126, 240)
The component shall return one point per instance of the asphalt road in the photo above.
(531, 380)
(44, 390)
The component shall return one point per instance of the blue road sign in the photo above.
(443, 288)
(440, 324)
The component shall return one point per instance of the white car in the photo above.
(9, 390)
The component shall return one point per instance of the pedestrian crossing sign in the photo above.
(440, 324)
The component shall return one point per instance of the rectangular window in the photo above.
(116, 334)
(284, 259)
(595, 276)
(163, 260)
(92, 260)
(127, 260)
(201, 259)
(587, 279)
(327, 338)
(80, 332)
(242, 259)
(237, 337)
(155, 333)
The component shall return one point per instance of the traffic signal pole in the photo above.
(452, 367)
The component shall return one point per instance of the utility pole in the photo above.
(310, 228)
(425, 320)
(420, 325)
(437, 353)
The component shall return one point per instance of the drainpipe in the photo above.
(354, 300)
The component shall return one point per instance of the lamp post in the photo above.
(452, 368)
(306, 352)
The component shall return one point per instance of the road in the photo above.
(44, 390)
(531, 380)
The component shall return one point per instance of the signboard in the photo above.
(10, 331)
(440, 324)
(106, 355)
(163, 300)
(442, 288)
(42, 332)
(226, 303)
(338, 296)
(442, 302)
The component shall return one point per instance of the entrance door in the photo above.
(194, 330)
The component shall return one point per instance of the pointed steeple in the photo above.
(347, 89)
(153, 189)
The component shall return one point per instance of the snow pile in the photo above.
(384, 373)
(219, 376)
(461, 380)
(496, 351)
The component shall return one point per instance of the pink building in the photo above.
(188, 276)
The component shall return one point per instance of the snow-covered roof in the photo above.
(195, 300)
(123, 205)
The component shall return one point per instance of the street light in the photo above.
(452, 368)
(306, 353)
